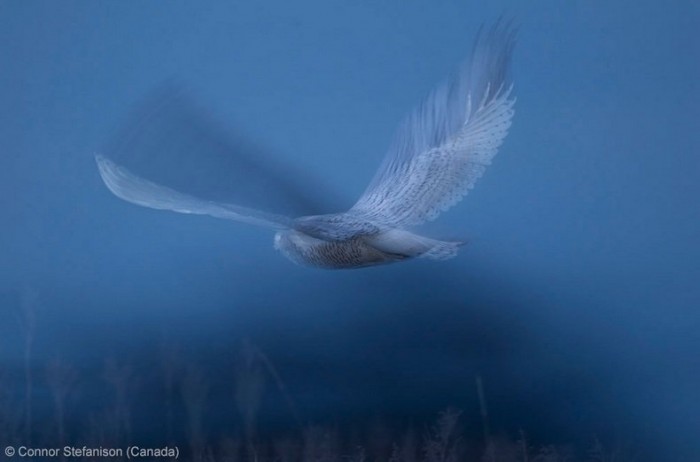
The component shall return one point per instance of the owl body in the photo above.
(342, 241)
(354, 252)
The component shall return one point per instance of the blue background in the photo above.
(577, 299)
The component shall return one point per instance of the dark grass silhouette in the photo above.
(80, 411)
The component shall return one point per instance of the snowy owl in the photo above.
(439, 152)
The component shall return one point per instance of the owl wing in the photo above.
(444, 146)
(174, 140)
(137, 190)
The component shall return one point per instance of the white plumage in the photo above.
(439, 152)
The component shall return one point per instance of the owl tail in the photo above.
(407, 244)
(442, 250)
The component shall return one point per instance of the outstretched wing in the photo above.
(172, 139)
(140, 191)
(444, 146)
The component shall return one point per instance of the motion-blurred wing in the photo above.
(176, 142)
(136, 190)
(445, 145)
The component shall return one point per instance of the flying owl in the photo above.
(438, 153)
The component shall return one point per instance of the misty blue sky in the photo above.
(579, 289)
